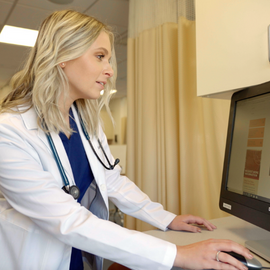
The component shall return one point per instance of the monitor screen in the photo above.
(245, 189)
(249, 168)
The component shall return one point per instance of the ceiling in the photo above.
(30, 14)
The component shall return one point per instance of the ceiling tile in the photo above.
(4, 10)
(79, 5)
(27, 17)
(108, 12)
(30, 14)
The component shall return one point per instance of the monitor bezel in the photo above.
(249, 209)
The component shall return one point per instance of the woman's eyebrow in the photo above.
(103, 49)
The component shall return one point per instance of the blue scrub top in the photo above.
(82, 174)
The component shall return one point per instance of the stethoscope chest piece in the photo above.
(74, 191)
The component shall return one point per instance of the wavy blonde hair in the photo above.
(63, 36)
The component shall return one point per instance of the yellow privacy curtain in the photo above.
(152, 125)
(203, 131)
(175, 140)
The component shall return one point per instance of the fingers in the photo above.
(225, 260)
(208, 225)
(227, 266)
(200, 221)
(209, 255)
(184, 222)
(235, 247)
(190, 228)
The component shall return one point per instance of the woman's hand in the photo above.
(182, 223)
(202, 255)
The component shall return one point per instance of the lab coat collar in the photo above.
(29, 117)
(30, 120)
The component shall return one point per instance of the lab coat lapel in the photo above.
(30, 119)
(97, 168)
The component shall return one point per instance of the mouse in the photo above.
(252, 264)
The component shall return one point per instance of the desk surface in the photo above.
(230, 227)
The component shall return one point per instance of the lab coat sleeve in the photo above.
(28, 181)
(130, 199)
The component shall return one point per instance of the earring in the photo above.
(62, 65)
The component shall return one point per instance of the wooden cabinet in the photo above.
(231, 45)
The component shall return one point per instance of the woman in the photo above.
(49, 130)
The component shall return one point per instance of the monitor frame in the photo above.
(247, 208)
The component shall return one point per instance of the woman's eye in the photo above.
(100, 56)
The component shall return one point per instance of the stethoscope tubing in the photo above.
(111, 167)
(66, 186)
(57, 159)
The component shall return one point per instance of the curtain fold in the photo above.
(152, 129)
(175, 140)
(203, 131)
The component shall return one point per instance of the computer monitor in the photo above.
(245, 188)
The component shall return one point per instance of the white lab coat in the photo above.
(39, 223)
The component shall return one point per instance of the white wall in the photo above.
(119, 112)
(118, 108)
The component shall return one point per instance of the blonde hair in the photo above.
(63, 36)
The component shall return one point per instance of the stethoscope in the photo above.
(74, 191)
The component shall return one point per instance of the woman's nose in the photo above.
(108, 70)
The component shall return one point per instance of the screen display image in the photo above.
(245, 188)
(250, 151)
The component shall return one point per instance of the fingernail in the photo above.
(250, 256)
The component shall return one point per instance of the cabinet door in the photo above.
(231, 45)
